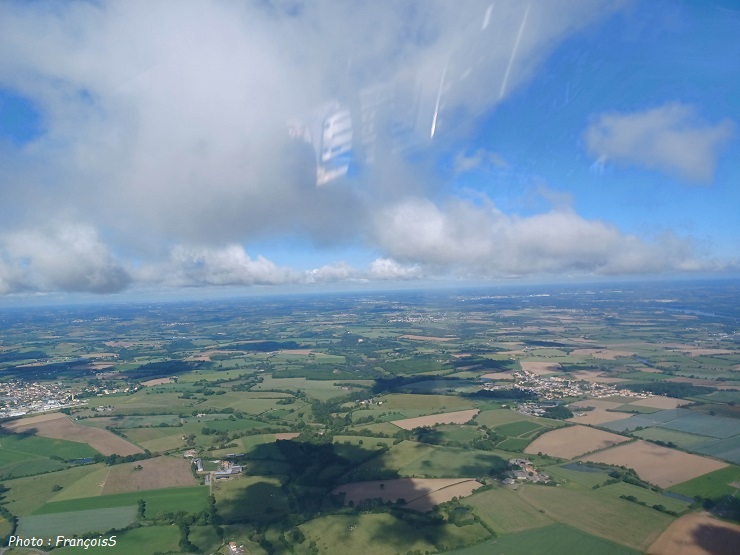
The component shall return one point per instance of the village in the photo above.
(18, 397)
(556, 387)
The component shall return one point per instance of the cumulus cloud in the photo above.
(670, 138)
(472, 240)
(198, 266)
(67, 257)
(164, 123)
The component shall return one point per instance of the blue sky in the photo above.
(144, 146)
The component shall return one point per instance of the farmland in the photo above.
(374, 421)
(570, 442)
(658, 465)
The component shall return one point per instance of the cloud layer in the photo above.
(164, 148)
(669, 138)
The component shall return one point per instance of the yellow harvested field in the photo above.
(697, 534)
(573, 441)
(660, 402)
(59, 426)
(158, 381)
(27, 422)
(457, 417)
(426, 338)
(409, 489)
(427, 503)
(286, 435)
(600, 413)
(539, 368)
(157, 473)
(605, 354)
(658, 465)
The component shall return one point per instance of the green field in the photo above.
(383, 534)
(576, 479)
(599, 514)
(453, 462)
(680, 439)
(517, 429)
(18, 447)
(26, 495)
(76, 522)
(557, 538)
(505, 512)
(250, 498)
(712, 485)
(190, 499)
(142, 541)
(647, 496)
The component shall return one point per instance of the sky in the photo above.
(152, 145)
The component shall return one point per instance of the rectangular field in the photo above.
(457, 417)
(192, 499)
(76, 522)
(59, 426)
(602, 515)
(556, 538)
(505, 512)
(570, 442)
(142, 541)
(661, 466)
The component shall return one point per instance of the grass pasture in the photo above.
(26, 495)
(680, 439)
(20, 447)
(595, 513)
(76, 522)
(712, 485)
(647, 496)
(556, 538)
(383, 534)
(452, 462)
(250, 498)
(142, 541)
(190, 499)
(505, 512)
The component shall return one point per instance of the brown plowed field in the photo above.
(660, 402)
(157, 473)
(597, 416)
(568, 443)
(59, 426)
(421, 494)
(539, 368)
(697, 534)
(442, 495)
(658, 465)
(457, 417)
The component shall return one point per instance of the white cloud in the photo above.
(470, 240)
(389, 269)
(67, 257)
(231, 265)
(670, 138)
